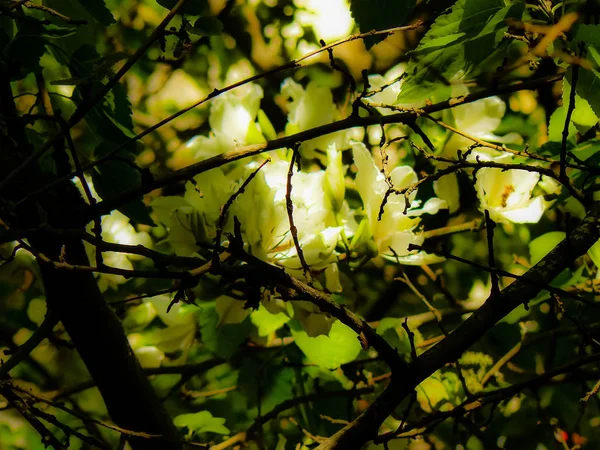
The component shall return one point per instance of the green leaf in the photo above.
(266, 127)
(207, 26)
(594, 253)
(557, 125)
(98, 11)
(330, 352)
(589, 34)
(542, 245)
(266, 383)
(224, 340)
(140, 316)
(114, 177)
(111, 119)
(22, 54)
(458, 42)
(201, 422)
(266, 322)
(231, 310)
(587, 149)
(379, 15)
(191, 7)
(588, 83)
(583, 114)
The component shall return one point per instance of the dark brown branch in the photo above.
(51, 11)
(365, 427)
(326, 304)
(45, 328)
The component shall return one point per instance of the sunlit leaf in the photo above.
(542, 245)
(339, 347)
(201, 422)
(266, 322)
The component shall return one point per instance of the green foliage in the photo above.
(340, 346)
(387, 195)
(379, 15)
(201, 422)
(98, 10)
(463, 40)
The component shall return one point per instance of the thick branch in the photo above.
(365, 427)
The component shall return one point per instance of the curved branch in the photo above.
(365, 427)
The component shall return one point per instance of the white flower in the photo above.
(507, 194)
(263, 214)
(116, 229)
(389, 94)
(397, 228)
(309, 108)
(478, 119)
(330, 20)
(232, 121)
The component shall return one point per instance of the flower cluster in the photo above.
(327, 228)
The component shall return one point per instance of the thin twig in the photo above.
(225, 210)
(31, 5)
(42, 332)
(87, 106)
(290, 212)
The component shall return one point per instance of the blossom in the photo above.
(262, 211)
(232, 121)
(397, 228)
(507, 194)
(310, 108)
(389, 86)
(116, 229)
(478, 119)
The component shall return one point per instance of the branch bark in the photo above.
(365, 427)
(74, 296)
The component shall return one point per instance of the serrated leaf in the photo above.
(341, 346)
(588, 82)
(379, 15)
(111, 119)
(230, 310)
(207, 26)
(201, 422)
(583, 114)
(587, 149)
(590, 34)
(98, 11)
(458, 42)
(557, 125)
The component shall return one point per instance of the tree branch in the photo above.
(365, 427)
